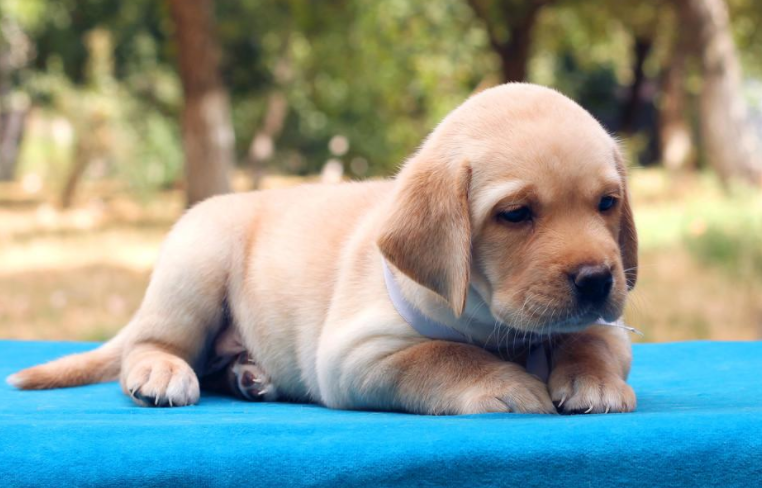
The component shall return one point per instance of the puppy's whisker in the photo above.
(641, 266)
(622, 326)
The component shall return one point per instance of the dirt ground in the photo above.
(80, 274)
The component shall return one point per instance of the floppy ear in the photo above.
(427, 235)
(628, 235)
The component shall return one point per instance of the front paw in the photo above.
(575, 391)
(510, 389)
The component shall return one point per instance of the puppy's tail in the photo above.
(102, 364)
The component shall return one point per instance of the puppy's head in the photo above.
(522, 195)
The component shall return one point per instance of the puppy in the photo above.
(510, 227)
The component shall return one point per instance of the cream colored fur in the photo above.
(300, 272)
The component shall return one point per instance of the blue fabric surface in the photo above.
(699, 423)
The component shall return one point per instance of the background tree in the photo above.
(208, 137)
(300, 74)
(510, 27)
(676, 139)
(93, 114)
(732, 147)
(15, 50)
(358, 84)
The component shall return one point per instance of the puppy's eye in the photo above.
(606, 203)
(520, 214)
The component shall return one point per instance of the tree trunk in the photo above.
(675, 135)
(11, 136)
(12, 116)
(94, 140)
(731, 146)
(262, 145)
(629, 116)
(81, 160)
(514, 55)
(514, 52)
(208, 138)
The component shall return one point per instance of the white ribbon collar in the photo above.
(538, 359)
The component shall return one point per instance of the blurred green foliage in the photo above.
(101, 79)
(719, 226)
(381, 74)
(730, 235)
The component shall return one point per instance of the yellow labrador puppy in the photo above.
(510, 228)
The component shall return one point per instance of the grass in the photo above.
(80, 274)
(701, 259)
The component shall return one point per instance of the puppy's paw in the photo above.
(249, 381)
(162, 382)
(590, 392)
(511, 390)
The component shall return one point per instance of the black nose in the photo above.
(593, 283)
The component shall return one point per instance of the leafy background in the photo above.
(359, 84)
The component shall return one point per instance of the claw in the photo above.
(589, 409)
(607, 409)
(561, 403)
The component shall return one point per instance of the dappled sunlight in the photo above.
(69, 302)
(36, 235)
(113, 122)
(80, 273)
(680, 298)
(700, 272)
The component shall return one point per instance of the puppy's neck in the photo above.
(430, 317)
(476, 325)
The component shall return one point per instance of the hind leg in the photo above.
(183, 308)
(243, 378)
(232, 370)
(249, 381)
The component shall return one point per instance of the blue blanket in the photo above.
(699, 423)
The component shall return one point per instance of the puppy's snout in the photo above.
(592, 283)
